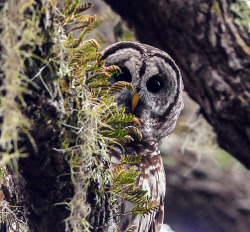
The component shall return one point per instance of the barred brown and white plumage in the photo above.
(157, 104)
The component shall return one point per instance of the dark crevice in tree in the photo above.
(43, 177)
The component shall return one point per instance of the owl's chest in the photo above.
(152, 177)
(152, 174)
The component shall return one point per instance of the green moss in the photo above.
(242, 44)
(216, 8)
(242, 14)
(204, 7)
(21, 40)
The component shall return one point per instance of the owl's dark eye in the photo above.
(124, 75)
(155, 84)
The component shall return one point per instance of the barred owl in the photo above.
(157, 103)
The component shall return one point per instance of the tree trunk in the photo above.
(37, 182)
(213, 53)
(44, 178)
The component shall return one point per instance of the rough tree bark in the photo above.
(38, 186)
(213, 54)
(42, 182)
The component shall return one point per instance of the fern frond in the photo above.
(125, 139)
(96, 81)
(69, 9)
(145, 209)
(83, 7)
(136, 121)
(133, 131)
(128, 177)
(137, 196)
(84, 33)
(98, 77)
(92, 67)
(119, 117)
(112, 69)
(81, 21)
(122, 177)
(71, 42)
(93, 44)
(116, 172)
(93, 56)
(87, 46)
(114, 132)
(132, 228)
(139, 193)
(119, 86)
(131, 159)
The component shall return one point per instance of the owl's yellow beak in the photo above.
(135, 100)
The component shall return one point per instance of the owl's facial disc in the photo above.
(158, 86)
(154, 85)
(156, 79)
(154, 89)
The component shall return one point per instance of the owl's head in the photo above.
(157, 101)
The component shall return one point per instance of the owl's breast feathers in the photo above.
(151, 178)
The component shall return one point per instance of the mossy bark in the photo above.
(212, 49)
(43, 177)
